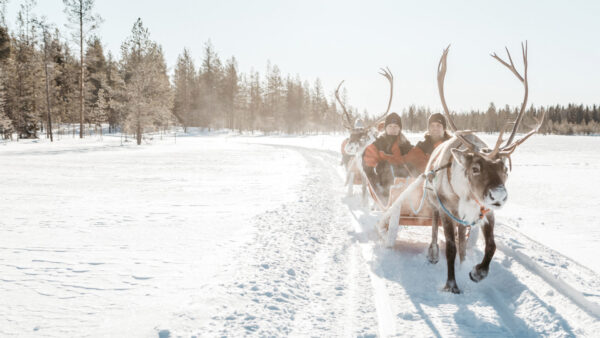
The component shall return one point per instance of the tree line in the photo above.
(42, 81)
(564, 120)
(49, 75)
(51, 78)
(216, 94)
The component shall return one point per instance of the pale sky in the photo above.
(350, 40)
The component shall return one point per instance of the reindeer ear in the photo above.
(460, 156)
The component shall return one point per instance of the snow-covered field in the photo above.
(227, 235)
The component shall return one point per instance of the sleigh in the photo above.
(414, 211)
(409, 206)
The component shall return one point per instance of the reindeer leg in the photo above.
(433, 254)
(480, 270)
(350, 183)
(450, 254)
(462, 242)
(365, 198)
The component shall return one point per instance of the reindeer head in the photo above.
(361, 135)
(486, 177)
(486, 169)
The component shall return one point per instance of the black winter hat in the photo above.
(393, 118)
(439, 118)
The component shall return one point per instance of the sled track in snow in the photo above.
(559, 295)
(577, 297)
(522, 296)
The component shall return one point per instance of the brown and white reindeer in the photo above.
(360, 136)
(466, 181)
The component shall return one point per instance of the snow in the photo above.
(219, 234)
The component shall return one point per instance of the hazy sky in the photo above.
(351, 40)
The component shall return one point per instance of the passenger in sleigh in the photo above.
(384, 159)
(436, 134)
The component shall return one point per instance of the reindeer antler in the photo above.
(345, 112)
(510, 146)
(440, 79)
(385, 72)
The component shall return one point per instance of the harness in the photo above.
(431, 177)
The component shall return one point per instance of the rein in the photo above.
(431, 176)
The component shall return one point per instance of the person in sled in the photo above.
(384, 158)
(418, 156)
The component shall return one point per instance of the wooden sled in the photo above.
(407, 217)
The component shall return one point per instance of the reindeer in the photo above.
(466, 180)
(360, 137)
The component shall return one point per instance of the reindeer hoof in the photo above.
(477, 275)
(433, 254)
(451, 287)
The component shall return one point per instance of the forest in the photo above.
(61, 80)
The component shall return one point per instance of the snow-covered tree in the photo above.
(147, 92)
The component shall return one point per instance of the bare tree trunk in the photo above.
(138, 131)
(138, 128)
(81, 69)
(49, 129)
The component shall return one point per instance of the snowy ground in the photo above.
(224, 235)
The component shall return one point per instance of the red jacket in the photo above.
(420, 154)
(382, 150)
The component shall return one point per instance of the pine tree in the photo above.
(229, 91)
(65, 82)
(79, 13)
(255, 101)
(48, 67)
(147, 88)
(185, 81)
(95, 71)
(99, 110)
(274, 99)
(114, 94)
(210, 77)
(6, 125)
(24, 79)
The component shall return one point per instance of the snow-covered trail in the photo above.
(134, 241)
(303, 274)
(401, 292)
(531, 290)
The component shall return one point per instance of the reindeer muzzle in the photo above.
(496, 197)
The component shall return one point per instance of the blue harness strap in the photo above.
(447, 212)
